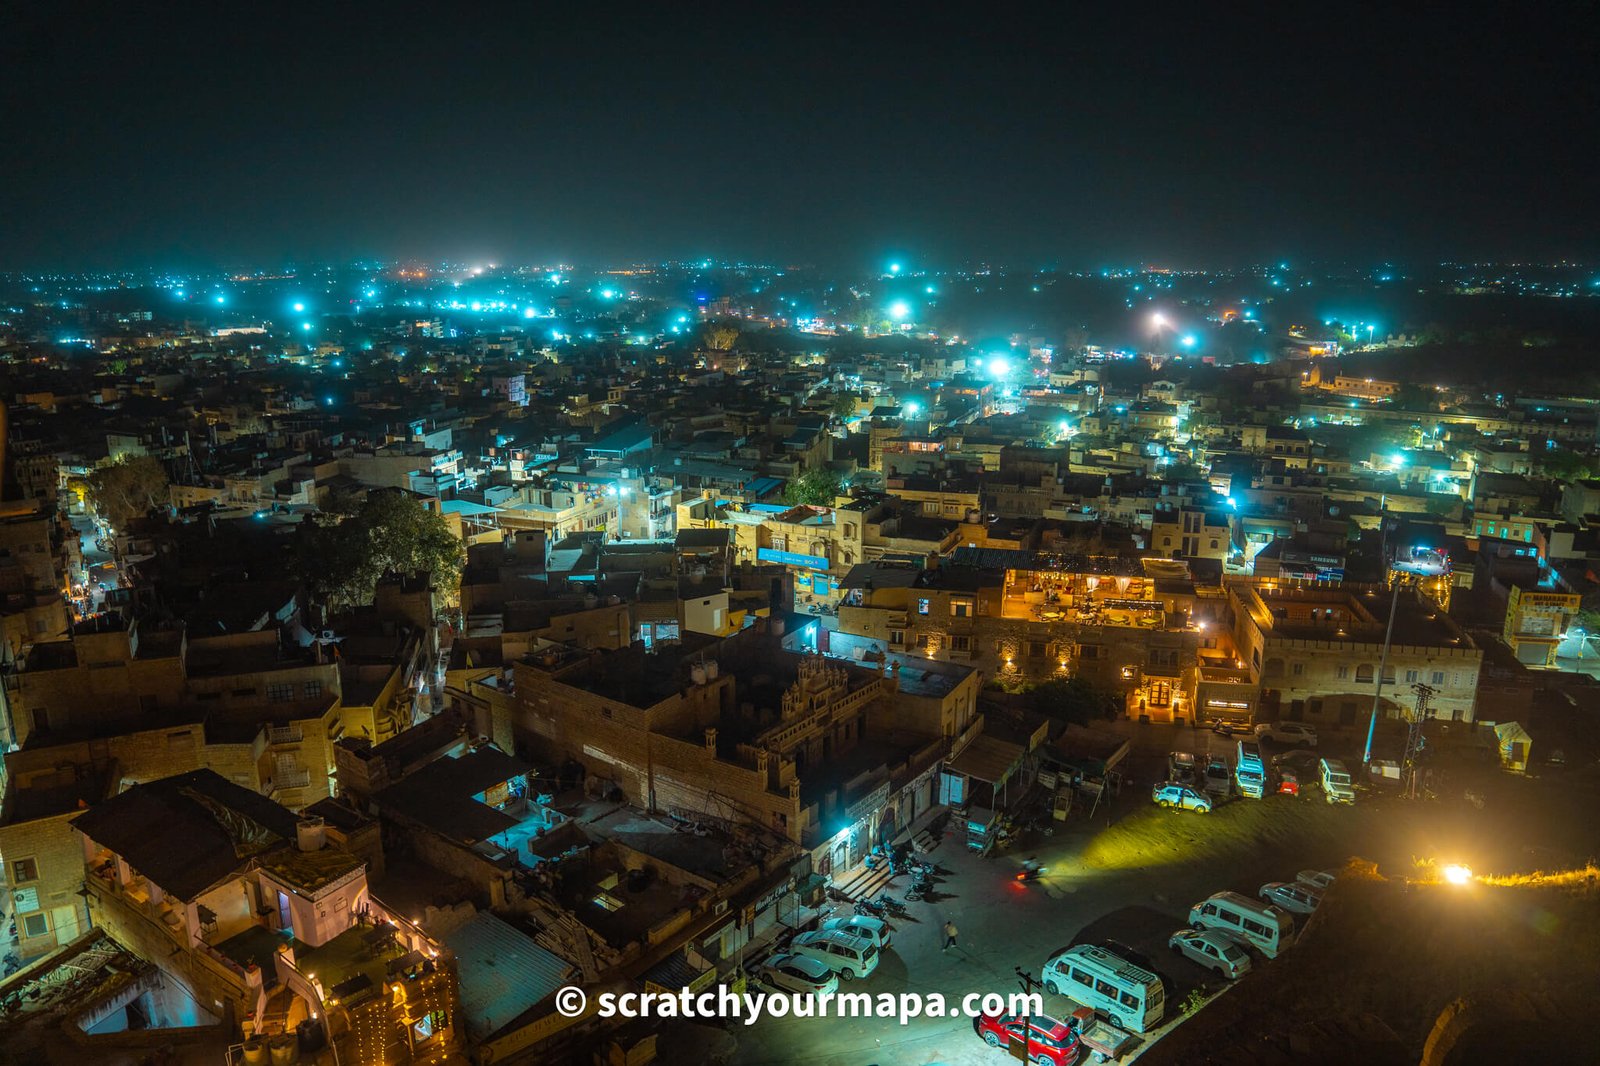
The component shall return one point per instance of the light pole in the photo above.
(1383, 665)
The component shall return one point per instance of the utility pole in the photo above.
(1028, 983)
(1383, 666)
(1414, 740)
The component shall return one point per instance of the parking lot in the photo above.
(1130, 876)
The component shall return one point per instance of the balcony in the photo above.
(284, 734)
(285, 780)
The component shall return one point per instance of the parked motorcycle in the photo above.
(893, 906)
(870, 907)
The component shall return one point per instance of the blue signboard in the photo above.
(772, 555)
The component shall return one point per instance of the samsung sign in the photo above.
(772, 555)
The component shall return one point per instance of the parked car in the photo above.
(1218, 777)
(1336, 784)
(1301, 759)
(1213, 949)
(874, 929)
(1228, 727)
(1317, 879)
(796, 973)
(1287, 733)
(1288, 783)
(845, 954)
(1181, 768)
(1295, 897)
(1050, 1042)
(1184, 797)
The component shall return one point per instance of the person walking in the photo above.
(949, 935)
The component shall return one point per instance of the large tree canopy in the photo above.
(128, 488)
(817, 487)
(342, 558)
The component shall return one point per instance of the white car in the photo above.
(1287, 733)
(1213, 949)
(1182, 797)
(874, 929)
(796, 973)
(1317, 879)
(1298, 897)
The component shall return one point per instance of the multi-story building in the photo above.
(1537, 621)
(1183, 532)
(219, 887)
(1315, 652)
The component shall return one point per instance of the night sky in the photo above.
(217, 137)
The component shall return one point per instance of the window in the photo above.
(1257, 928)
(1438, 677)
(960, 642)
(1297, 669)
(1411, 676)
(1083, 979)
(1129, 1000)
(1364, 674)
(1229, 917)
(23, 871)
(35, 924)
(311, 689)
(1213, 542)
(1105, 988)
(1343, 673)
(961, 609)
(897, 637)
(243, 693)
(280, 692)
(922, 606)
(1036, 649)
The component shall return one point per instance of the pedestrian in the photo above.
(949, 935)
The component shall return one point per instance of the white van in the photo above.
(848, 956)
(1262, 926)
(1336, 784)
(1130, 996)
(1248, 770)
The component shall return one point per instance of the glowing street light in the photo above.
(299, 307)
(1158, 321)
(1457, 874)
(899, 310)
(912, 408)
(894, 268)
(1188, 340)
(999, 367)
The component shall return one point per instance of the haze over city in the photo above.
(757, 537)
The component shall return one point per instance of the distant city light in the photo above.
(928, 290)
(328, 400)
(530, 313)
(1457, 874)
(221, 299)
(1188, 340)
(1158, 321)
(912, 408)
(999, 367)
(305, 325)
(899, 310)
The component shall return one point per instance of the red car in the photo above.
(1288, 783)
(1050, 1042)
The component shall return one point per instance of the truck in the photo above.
(1104, 1040)
(1249, 771)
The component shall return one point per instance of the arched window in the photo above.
(1364, 674)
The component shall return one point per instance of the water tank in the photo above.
(711, 670)
(255, 1052)
(285, 1050)
(311, 833)
(697, 674)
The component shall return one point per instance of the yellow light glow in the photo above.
(1457, 874)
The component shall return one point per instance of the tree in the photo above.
(1411, 396)
(341, 559)
(816, 487)
(719, 336)
(127, 488)
(842, 404)
(1072, 699)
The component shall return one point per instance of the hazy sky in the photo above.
(604, 132)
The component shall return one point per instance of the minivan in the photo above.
(1248, 769)
(848, 956)
(1336, 785)
(1266, 928)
